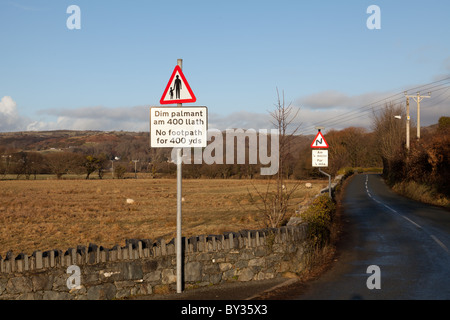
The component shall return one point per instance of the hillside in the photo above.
(61, 139)
(120, 146)
(98, 152)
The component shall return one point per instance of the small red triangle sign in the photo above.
(178, 89)
(319, 141)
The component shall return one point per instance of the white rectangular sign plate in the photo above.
(320, 158)
(178, 127)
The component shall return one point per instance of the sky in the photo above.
(320, 55)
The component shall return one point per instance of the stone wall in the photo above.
(144, 267)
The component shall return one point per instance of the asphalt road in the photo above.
(408, 241)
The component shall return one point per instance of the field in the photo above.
(59, 214)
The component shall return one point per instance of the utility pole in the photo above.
(418, 98)
(135, 162)
(112, 168)
(408, 118)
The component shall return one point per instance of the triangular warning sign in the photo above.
(319, 141)
(178, 89)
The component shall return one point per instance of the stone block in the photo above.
(215, 278)
(149, 266)
(211, 268)
(42, 282)
(193, 272)
(131, 270)
(153, 276)
(246, 274)
(19, 285)
(225, 266)
(105, 291)
(168, 276)
(258, 262)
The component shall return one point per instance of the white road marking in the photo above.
(442, 245)
(417, 225)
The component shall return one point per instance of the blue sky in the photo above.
(235, 55)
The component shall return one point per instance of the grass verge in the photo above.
(421, 193)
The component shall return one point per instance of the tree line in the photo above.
(347, 148)
(383, 146)
(427, 160)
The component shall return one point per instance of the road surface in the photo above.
(407, 240)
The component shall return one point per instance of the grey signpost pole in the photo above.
(179, 176)
(316, 144)
(163, 121)
(329, 181)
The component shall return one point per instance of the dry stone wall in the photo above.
(143, 267)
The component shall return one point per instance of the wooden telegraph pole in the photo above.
(418, 98)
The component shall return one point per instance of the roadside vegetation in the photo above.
(325, 226)
(421, 173)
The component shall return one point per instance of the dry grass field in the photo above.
(59, 214)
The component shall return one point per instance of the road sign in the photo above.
(319, 141)
(320, 158)
(178, 89)
(178, 127)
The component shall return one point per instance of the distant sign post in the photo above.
(320, 155)
(319, 141)
(178, 127)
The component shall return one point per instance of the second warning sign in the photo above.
(178, 127)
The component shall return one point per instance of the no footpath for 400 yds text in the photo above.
(176, 133)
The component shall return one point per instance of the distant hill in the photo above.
(60, 139)
(118, 143)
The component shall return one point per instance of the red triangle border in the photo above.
(188, 87)
(323, 147)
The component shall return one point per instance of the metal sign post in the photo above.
(179, 187)
(178, 127)
(320, 156)
(329, 181)
(179, 245)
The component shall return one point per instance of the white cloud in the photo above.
(8, 106)
(240, 119)
(9, 118)
(97, 118)
(331, 109)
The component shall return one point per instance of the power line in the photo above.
(435, 104)
(374, 106)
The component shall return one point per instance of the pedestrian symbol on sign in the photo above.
(178, 89)
(178, 86)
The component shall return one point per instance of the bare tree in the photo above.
(61, 163)
(275, 203)
(389, 130)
